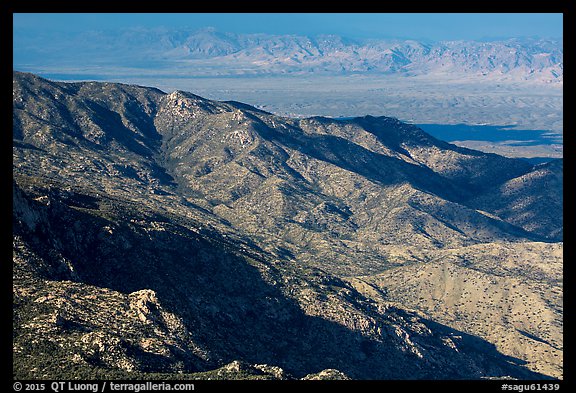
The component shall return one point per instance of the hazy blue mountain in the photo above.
(210, 52)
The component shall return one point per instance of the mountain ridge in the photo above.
(141, 193)
(191, 51)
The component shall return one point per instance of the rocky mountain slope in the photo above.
(166, 235)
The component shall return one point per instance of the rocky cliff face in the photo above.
(167, 235)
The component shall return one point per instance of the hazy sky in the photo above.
(432, 26)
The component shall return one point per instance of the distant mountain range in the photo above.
(165, 235)
(208, 52)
